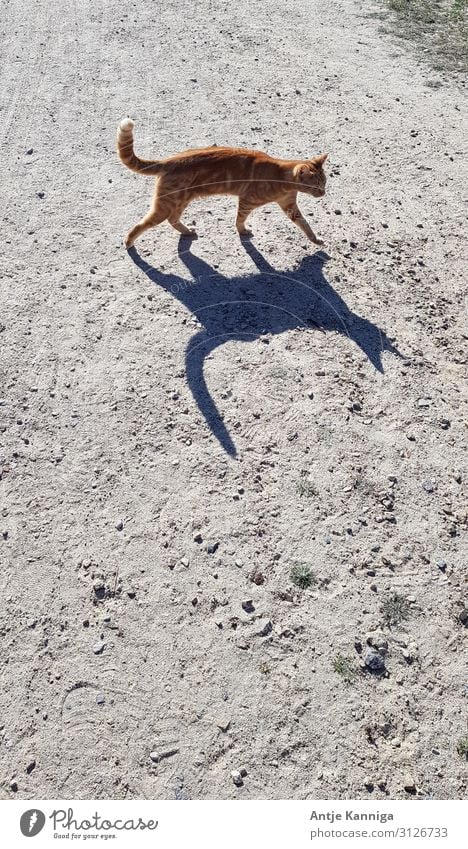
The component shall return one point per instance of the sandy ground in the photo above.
(151, 516)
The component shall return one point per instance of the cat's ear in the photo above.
(319, 160)
(301, 170)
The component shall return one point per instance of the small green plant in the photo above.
(462, 747)
(305, 487)
(345, 666)
(302, 575)
(395, 609)
(438, 27)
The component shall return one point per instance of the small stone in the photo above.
(237, 777)
(100, 700)
(263, 628)
(337, 211)
(409, 784)
(463, 617)
(441, 564)
(257, 578)
(157, 757)
(40, 194)
(377, 640)
(185, 562)
(368, 784)
(198, 538)
(99, 590)
(29, 151)
(212, 547)
(424, 402)
(428, 486)
(374, 662)
(98, 648)
(30, 767)
(239, 564)
(248, 606)
(223, 722)
(384, 225)
(119, 525)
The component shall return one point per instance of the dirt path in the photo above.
(134, 517)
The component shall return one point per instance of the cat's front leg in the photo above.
(294, 214)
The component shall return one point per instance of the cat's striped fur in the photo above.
(254, 177)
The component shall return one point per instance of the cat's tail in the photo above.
(128, 155)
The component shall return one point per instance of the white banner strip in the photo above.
(226, 824)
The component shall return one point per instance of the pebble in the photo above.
(428, 486)
(30, 767)
(99, 589)
(29, 151)
(98, 648)
(40, 194)
(257, 578)
(157, 757)
(377, 640)
(212, 547)
(119, 525)
(424, 402)
(374, 661)
(463, 617)
(237, 777)
(248, 606)
(223, 722)
(409, 784)
(13, 786)
(100, 699)
(263, 628)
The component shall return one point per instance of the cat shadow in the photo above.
(249, 306)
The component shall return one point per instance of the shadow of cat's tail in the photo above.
(197, 350)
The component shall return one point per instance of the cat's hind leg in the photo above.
(174, 220)
(243, 211)
(152, 219)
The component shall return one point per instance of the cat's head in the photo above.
(310, 176)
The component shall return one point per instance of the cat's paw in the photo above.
(319, 242)
(245, 234)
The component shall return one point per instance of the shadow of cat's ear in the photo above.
(322, 257)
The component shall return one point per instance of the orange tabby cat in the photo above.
(254, 177)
